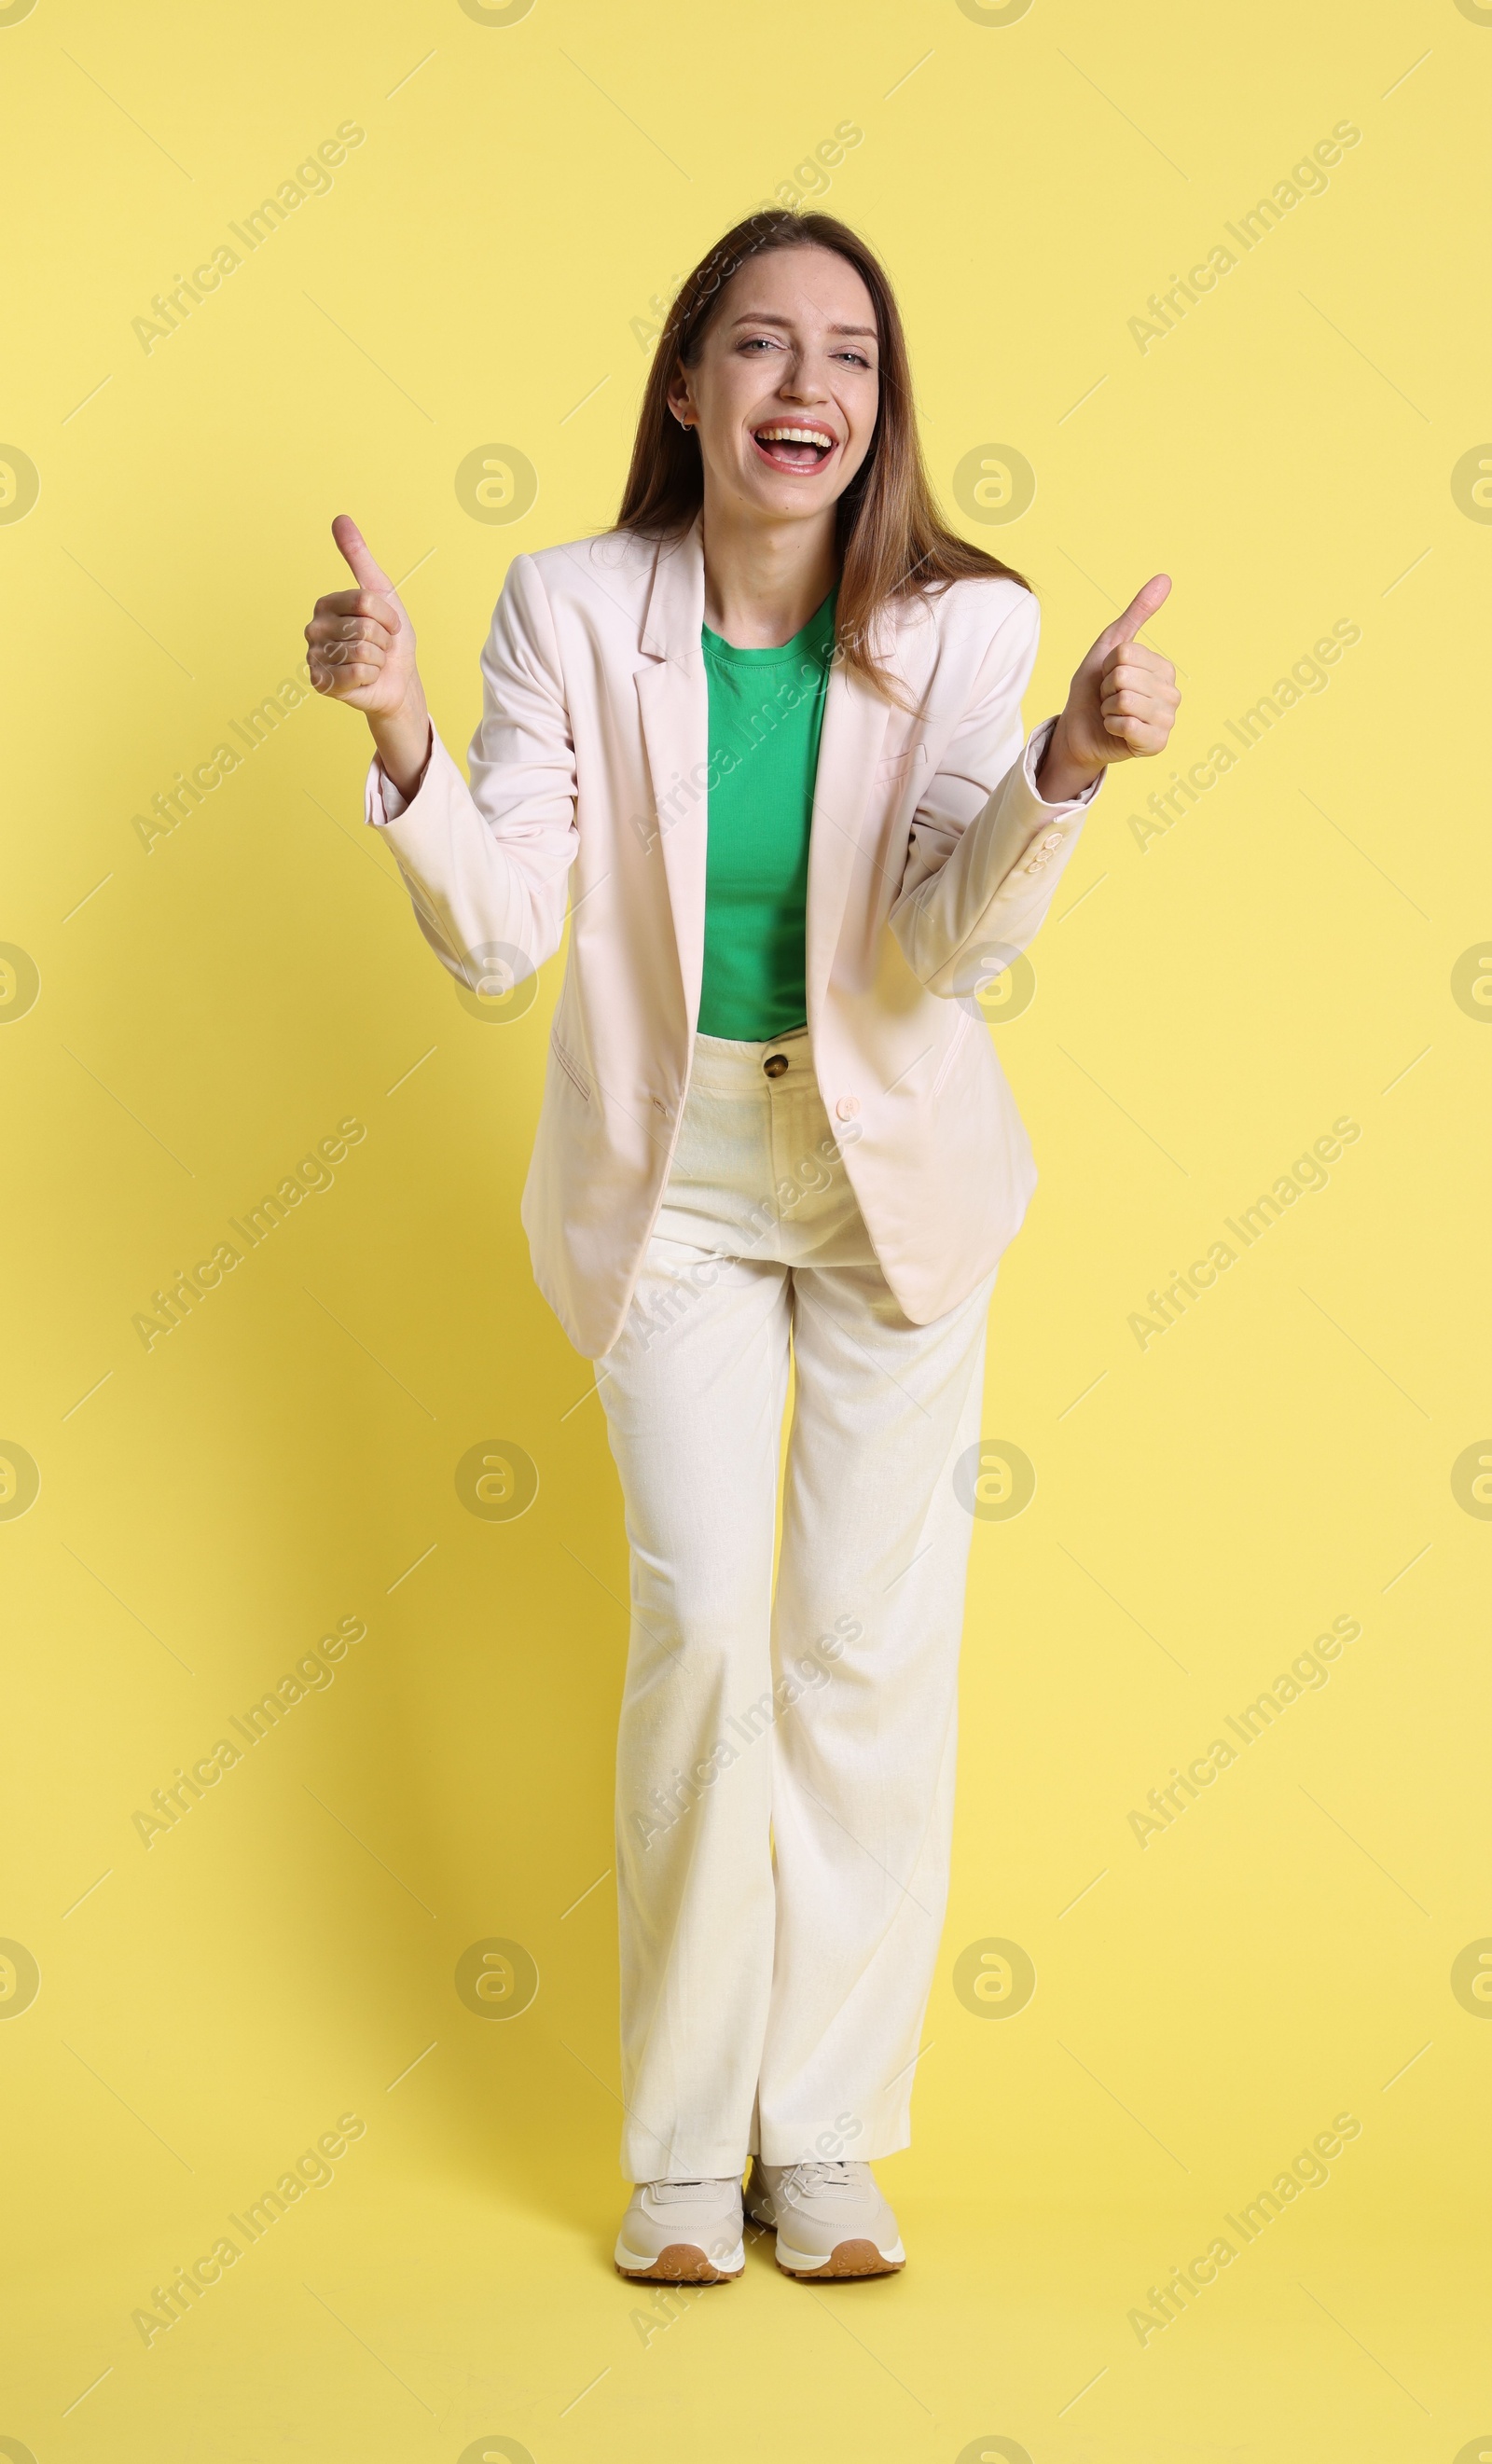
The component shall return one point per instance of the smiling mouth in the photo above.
(789, 444)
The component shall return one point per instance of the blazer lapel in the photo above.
(854, 727)
(673, 700)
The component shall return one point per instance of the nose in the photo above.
(802, 378)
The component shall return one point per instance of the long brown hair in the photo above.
(892, 541)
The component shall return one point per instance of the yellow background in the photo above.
(209, 1010)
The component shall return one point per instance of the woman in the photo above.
(764, 735)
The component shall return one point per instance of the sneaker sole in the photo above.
(847, 2259)
(680, 2263)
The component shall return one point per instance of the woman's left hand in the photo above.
(1121, 705)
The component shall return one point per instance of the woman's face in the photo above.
(785, 392)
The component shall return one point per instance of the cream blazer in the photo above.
(932, 862)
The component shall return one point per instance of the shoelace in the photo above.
(818, 2177)
(667, 2193)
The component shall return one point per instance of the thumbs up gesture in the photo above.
(1121, 705)
(362, 651)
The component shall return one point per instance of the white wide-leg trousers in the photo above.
(784, 1766)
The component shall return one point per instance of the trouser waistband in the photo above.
(784, 1062)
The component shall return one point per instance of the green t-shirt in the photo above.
(766, 717)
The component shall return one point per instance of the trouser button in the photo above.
(775, 1063)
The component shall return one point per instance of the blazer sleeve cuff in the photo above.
(1031, 761)
(1020, 837)
(382, 803)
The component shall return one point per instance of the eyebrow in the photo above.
(764, 317)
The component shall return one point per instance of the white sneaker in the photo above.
(830, 2220)
(682, 2233)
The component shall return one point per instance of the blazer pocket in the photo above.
(959, 1038)
(576, 1076)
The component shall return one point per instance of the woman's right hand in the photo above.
(362, 651)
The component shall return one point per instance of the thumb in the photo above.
(367, 571)
(1141, 608)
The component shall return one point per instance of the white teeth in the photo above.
(793, 436)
